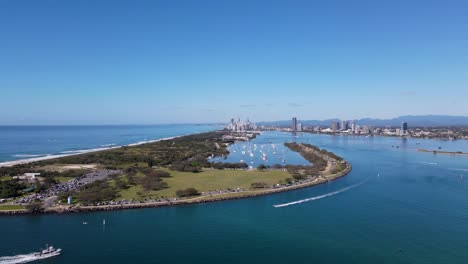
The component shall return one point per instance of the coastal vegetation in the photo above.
(188, 153)
(95, 192)
(34, 207)
(167, 171)
(10, 188)
(188, 192)
(312, 154)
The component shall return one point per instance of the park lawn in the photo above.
(5, 178)
(132, 193)
(62, 179)
(10, 207)
(208, 180)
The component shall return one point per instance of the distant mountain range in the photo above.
(412, 120)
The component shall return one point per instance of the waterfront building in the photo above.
(240, 126)
(404, 129)
(334, 126)
(299, 127)
(357, 129)
(344, 125)
(353, 127)
(294, 124)
(366, 130)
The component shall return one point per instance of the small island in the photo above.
(443, 152)
(175, 171)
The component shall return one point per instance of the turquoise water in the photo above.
(411, 208)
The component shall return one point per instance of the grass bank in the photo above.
(207, 180)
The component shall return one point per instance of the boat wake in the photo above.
(25, 258)
(455, 169)
(321, 196)
(428, 163)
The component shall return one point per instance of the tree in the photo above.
(10, 188)
(261, 167)
(153, 183)
(96, 192)
(299, 176)
(159, 174)
(277, 166)
(151, 163)
(121, 184)
(187, 192)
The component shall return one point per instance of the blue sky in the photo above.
(149, 62)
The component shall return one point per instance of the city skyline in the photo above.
(203, 62)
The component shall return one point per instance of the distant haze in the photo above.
(423, 120)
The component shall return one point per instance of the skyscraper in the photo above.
(334, 126)
(344, 125)
(294, 124)
(404, 129)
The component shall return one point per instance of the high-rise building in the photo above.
(299, 127)
(241, 126)
(294, 124)
(353, 127)
(404, 129)
(344, 125)
(334, 126)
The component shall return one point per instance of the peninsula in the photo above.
(168, 172)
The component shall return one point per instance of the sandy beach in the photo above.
(78, 152)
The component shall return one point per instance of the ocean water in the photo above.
(23, 142)
(396, 206)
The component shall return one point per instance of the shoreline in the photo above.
(79, 152)
(63, 209)
(189, 201)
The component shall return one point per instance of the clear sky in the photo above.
(150, 62)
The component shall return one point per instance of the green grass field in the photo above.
(5, 178)
(10, 207)
(208, 180)
(62, 179)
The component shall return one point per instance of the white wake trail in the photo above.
(18, 259)
(25, 258)
(321, 196)
(428, 163)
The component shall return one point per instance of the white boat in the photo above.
(48, 252)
